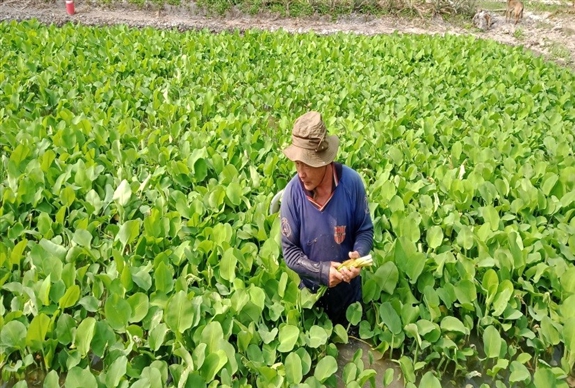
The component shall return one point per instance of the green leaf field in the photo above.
(137, 168)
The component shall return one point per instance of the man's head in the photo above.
(311, 144)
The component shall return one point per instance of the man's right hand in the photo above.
(335, 277)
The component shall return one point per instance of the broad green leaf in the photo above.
(116, 371)
(549, 332)
(388, 376)
(213, 363)
(353, 313)
(411, 330)
(408, 259)
(390, 318)
(430, 380)
(80, 378)
(212, 335)
(492, 342)
(53, 249)
(568, 199)
(544, 377)
(267, 335)
(179, 312)
(516, 248)
(465, 237)
(94, 200)
(430, 331)
(228, 265)
(387, 277)
(566, 309)
(569, 338)
(67, 196)
(257, 297)
(13, 335)
(117, 311)
(44, 223)
(407, 368)
(519, 372)
(141, 276)
(104, 337)
(157, 335)
(52, 380)
(317, 336)
(129, 231)
(200, 170)
(139, 305)
(365, 376)
(37, 331)
(288, 337)
(491, 216)
(84, 335)
(466, 293)
(549, 183)
(65, 327)
(568, 281)
(70, 298)
(434, 236)
(234, 193)
(16, 254)
(163, 278)
(504, 292)
(199, 355)
(123, 193)
(325, 368)
(90, 303)
(453, 324)
(490, 284)
(154, 375)
(293, 367)
(82, 237)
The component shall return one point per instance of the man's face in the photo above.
(310, 176)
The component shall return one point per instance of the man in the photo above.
(324, 217)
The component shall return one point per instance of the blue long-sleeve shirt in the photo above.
(312, 237)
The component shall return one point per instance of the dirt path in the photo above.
(546, 34)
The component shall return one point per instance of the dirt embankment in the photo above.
(551, 35)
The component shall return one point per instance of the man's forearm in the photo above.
(318, 272)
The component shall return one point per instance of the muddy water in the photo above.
(381, 363)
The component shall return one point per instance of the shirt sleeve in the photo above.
(362, 222)
(295, 258)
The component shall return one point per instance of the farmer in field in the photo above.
(324, 217)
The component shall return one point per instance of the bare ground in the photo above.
(551, 35)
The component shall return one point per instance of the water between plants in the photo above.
(377, 361)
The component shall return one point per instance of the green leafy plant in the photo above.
(137, 170)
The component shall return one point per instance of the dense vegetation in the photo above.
(137, 167)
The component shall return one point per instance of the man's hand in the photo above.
(345, 274)
(335, 277)
(349, 274)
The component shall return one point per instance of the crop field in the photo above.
(137, 168)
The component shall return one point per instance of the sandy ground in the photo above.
(551, 35)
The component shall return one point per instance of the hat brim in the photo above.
(312, 158)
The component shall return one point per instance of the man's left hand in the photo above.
(349, 274)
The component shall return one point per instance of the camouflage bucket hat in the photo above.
(310, 143)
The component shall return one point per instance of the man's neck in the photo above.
(325, 187)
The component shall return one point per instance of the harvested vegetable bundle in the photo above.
(360, 262)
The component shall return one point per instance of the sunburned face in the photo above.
(310, 176)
